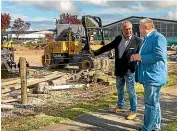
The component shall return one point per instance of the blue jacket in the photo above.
(152, 70)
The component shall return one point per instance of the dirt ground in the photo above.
(33, 57)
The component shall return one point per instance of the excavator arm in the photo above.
(100, 28)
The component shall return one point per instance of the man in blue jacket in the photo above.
(151, 72)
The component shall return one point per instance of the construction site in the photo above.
(60, 75)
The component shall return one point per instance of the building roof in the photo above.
(29, 32)
(31, 35)
(45, 32)
(139, 18)
(14, 32)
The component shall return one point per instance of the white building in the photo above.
(28, 35)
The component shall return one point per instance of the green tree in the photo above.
(90, 23)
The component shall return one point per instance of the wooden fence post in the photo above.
(23, 77)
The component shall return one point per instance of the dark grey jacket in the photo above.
(122, 64)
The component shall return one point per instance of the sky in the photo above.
(41, 13)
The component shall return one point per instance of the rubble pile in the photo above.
(42, 83)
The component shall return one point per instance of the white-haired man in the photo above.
(151, 72)
(124, 45)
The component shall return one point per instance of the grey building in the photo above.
(167, 27)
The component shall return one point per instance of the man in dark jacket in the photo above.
(125, 45)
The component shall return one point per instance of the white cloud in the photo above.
(123, 11)
(108, 3)
(10, 7)
(160, 4)
(15, 16)
(66, 6)
(42, 26)
(41, 19)
(118, 7)
(27, 18)
(134, 4)
(96, 2)
(115, 11)
(127, 8)
(172, 15)
(37, 23)
(107, 19)
(139, 7)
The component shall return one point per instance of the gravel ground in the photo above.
(39, 103)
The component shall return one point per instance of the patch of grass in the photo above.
(95, 105)
(83, 108)
(29, 123)
(172, 79)
(139, 90)
(73, 112)
(55, 114)
(30, 44)
(171, 127)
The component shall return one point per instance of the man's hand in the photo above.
(135, 57)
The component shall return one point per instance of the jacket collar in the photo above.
(150, 33)
(145, 39)
(129, 38)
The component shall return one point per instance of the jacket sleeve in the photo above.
(107, 47)
(159, 51)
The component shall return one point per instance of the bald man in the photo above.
(152, 72)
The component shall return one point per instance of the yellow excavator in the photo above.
(72, 45)
(6, 41)
(8, 66)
